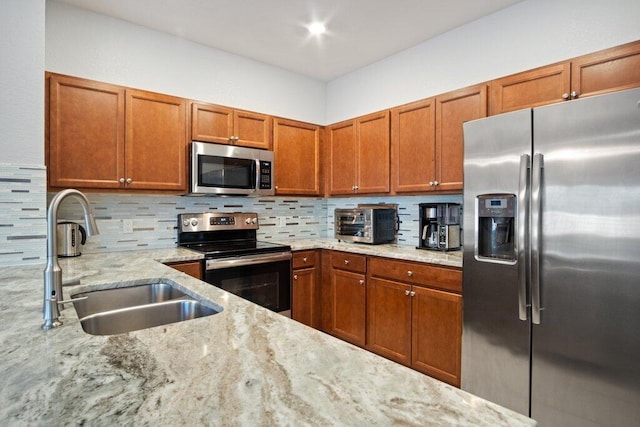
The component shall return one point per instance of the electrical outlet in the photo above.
(127, 226)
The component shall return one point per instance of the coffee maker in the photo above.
(440, 226)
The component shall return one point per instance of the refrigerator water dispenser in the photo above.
(495, 240)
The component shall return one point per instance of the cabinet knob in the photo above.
(409, 273)
(295, 277)
(412, 293)
(357, 188)
(129, 181)
(431, 183)
(304, 259)
(407, 292)
(574, 94)
(436, 183)
(121, 180)
(346, 262)
(361, 282)
(565, 96)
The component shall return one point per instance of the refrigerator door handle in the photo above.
(523, 235)
(536, 237)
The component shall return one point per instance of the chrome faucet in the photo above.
(52, 272)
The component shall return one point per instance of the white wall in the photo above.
(21, 84)
(98, 47)
(524, 36)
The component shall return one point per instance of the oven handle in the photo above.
(217, 264)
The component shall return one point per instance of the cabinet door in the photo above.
(342, 158)
(389, 319)
(437, 334)
(413, 147)
(348, 306)
(252, 129)
(297, 157)
(192, 268)
(156, 132)
(211, 123)
(303, 301)
(86, 133)
(609, 70)
(373, 153)
(534, 88)
(452, 110)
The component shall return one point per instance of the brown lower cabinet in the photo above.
(409, 312)
(192, 268)
(344, 295)
(305, 306)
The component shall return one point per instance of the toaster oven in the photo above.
(371, 225)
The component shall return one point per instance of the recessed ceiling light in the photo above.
(317, 28)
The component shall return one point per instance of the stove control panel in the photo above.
(217, 221)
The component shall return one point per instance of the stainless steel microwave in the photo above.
(218, 169)
(372, 225)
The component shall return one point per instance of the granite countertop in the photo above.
(243, 366)
(408, 253)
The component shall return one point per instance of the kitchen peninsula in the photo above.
(242, 366)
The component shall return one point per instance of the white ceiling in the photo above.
(359, 32)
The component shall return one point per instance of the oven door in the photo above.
(264, 279)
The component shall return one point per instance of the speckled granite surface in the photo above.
(451, 259)
(245, 366)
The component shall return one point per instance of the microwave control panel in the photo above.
(265, 175)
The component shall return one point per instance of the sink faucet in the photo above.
(52, 272)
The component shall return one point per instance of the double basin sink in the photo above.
(121, 310)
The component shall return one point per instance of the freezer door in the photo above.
(495, 342)
(586, 349)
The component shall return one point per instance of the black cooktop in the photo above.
(222, 249)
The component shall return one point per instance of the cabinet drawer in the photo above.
(349, 262)
(304, 259)
(416, 273)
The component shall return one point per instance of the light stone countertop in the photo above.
(408, 253)
(245, 366)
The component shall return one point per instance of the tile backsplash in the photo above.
(23, 214)
(23, 204)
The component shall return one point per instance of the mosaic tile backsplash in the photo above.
(23, 214)
(153, 218)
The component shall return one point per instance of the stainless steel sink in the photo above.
(120, 310)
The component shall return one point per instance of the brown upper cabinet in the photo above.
(609, 70)
(359, 155)
(297, 157)
(452, 110)
(215, 123)
(427, 140)
(413, 146)
(103, 136)
(155, 141)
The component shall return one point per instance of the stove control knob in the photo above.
(247, 221)
(185, 222)
(194, 222)
(254, 220)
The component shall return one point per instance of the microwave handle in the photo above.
(257, 187)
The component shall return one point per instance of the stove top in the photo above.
(236, 248)
(219, 234)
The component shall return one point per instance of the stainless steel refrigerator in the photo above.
(551, 280)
